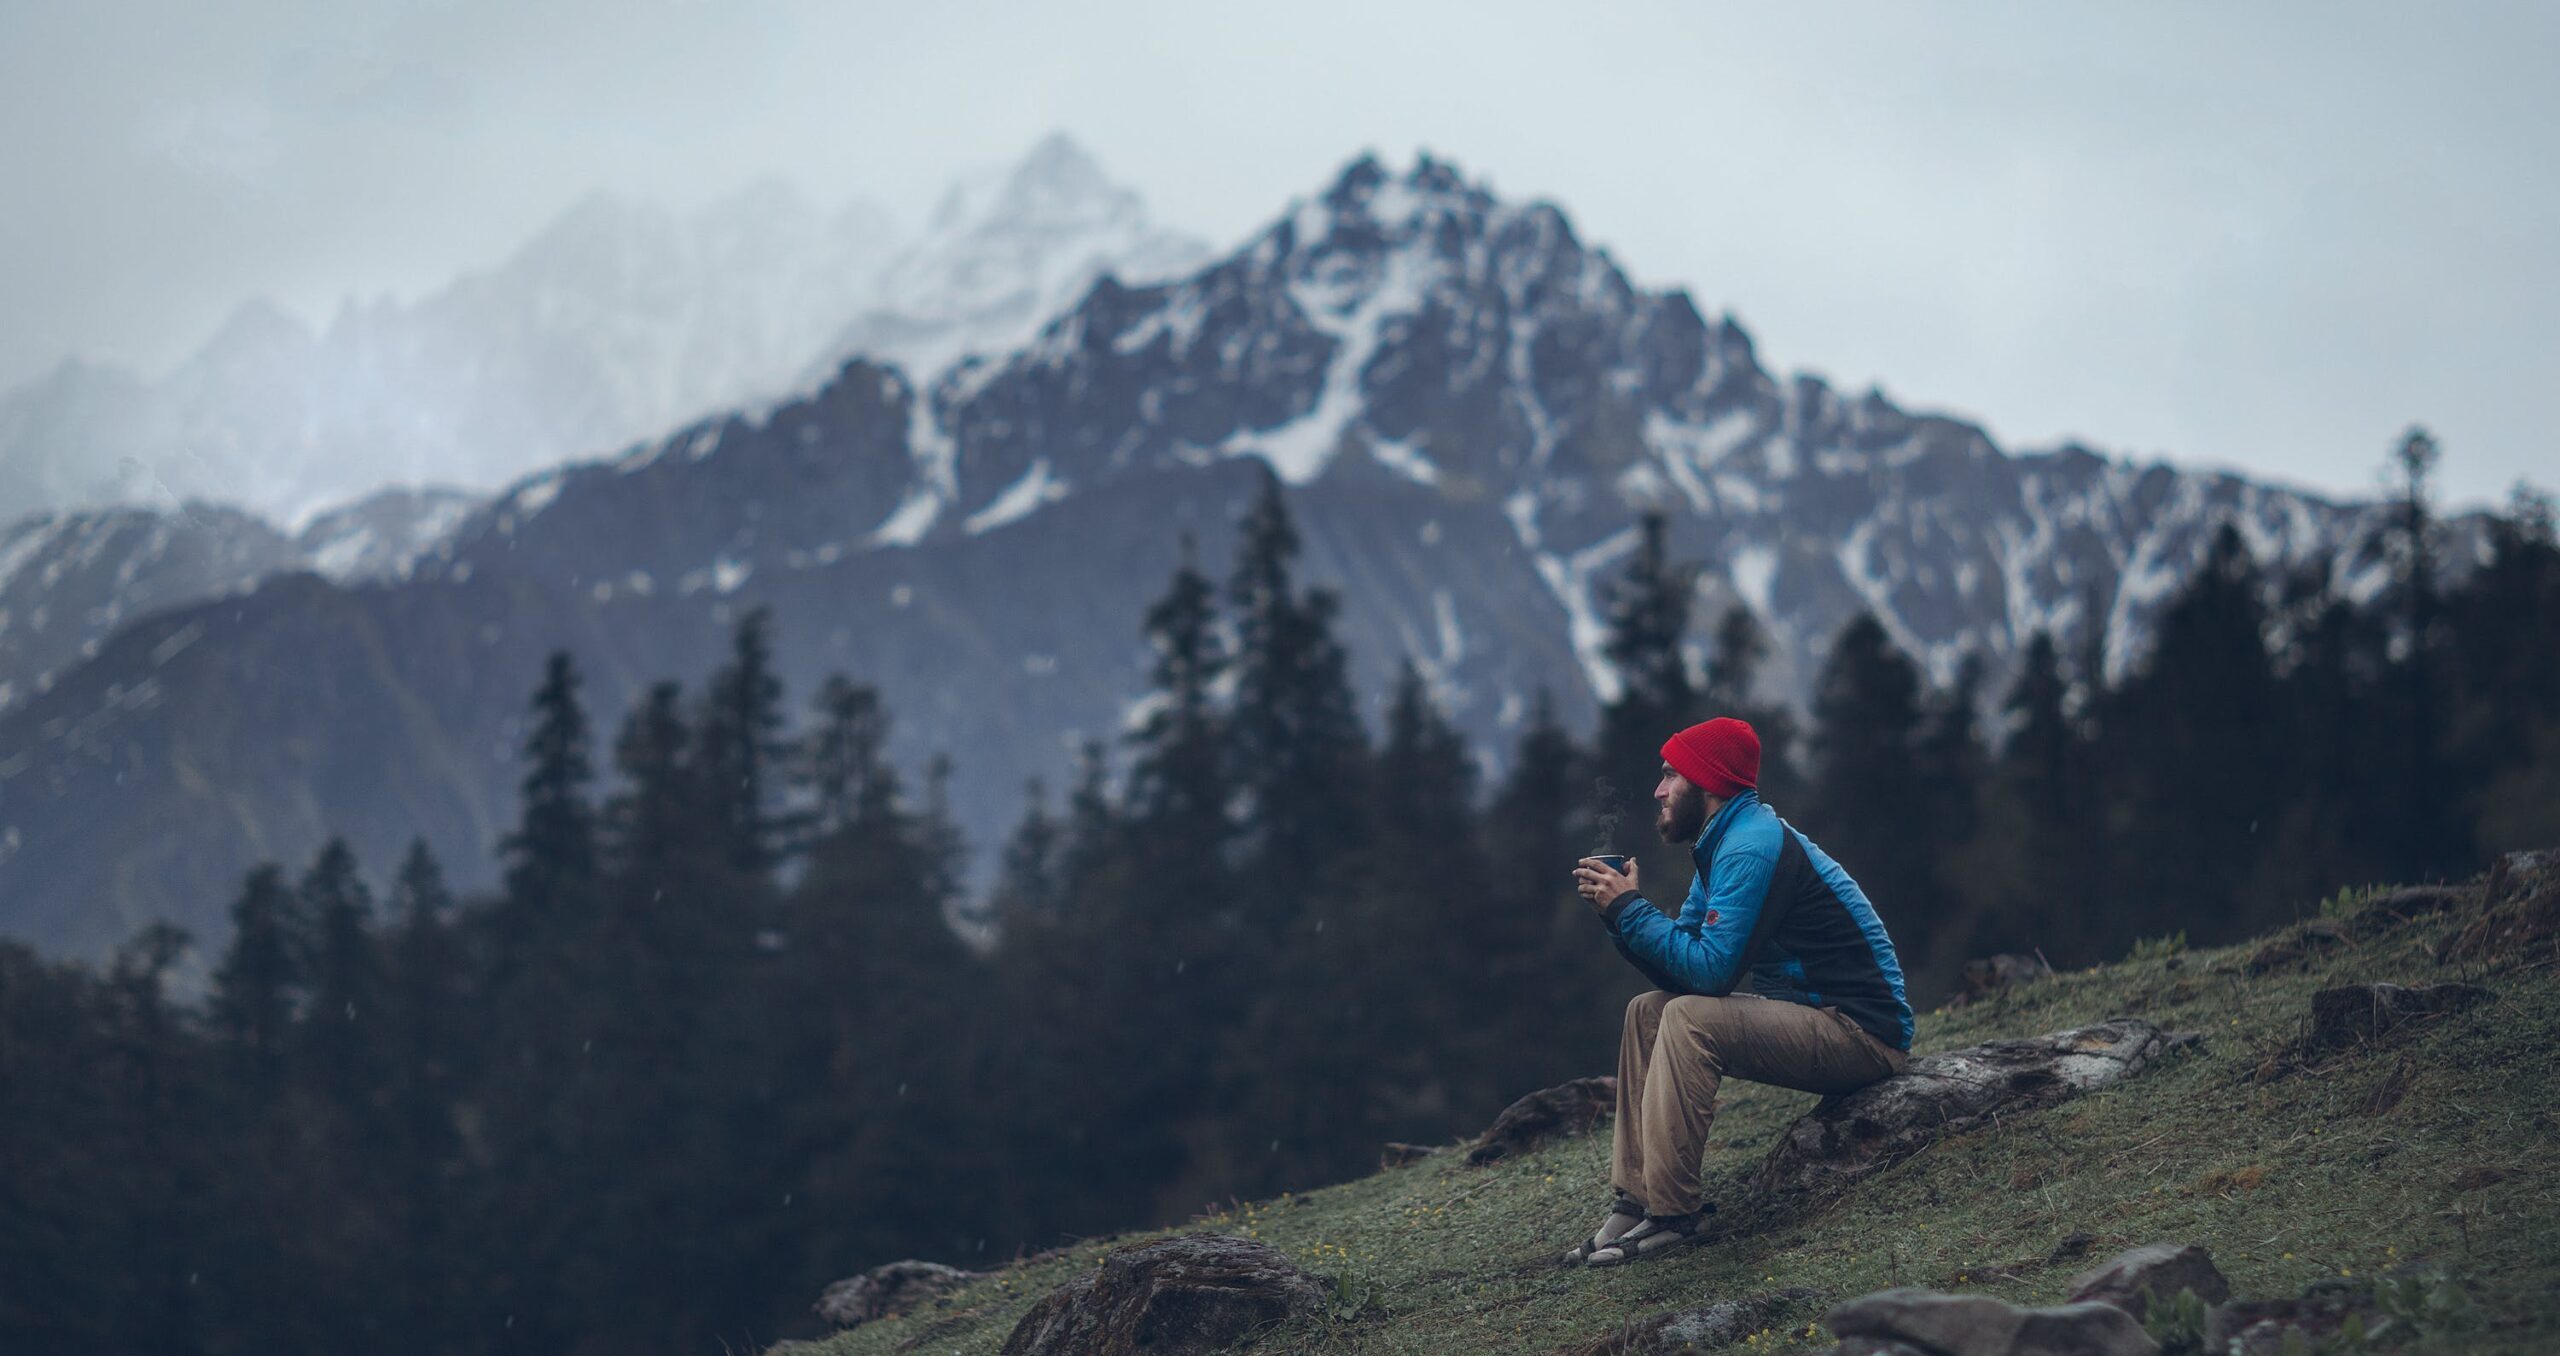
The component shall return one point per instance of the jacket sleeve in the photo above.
(1706, 948)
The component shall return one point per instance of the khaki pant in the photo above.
(1676, 1050)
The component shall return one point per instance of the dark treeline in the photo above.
(716, 1041)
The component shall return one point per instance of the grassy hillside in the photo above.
(2440, 1149)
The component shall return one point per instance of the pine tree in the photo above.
(1427, 953)
(1648, 614)
(348, 987)
(1095, 827)
(158, 1143)
(551, 856)
(653, 823)
(741, 745)
(2038, 751)
(1870, 794)
(1028, 888)
(2505, 733)
(846, 771)
(425, 1058)
(1955, 766)
(2424, 829)
(2194, 757)
(2028, 861)
(1296, 750)
(2325, 823)
(1534, 831)
(880, 986)
(346, 1228)
(1178, 788)
(260, 986)
(1733, 678)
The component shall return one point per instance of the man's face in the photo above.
(1680, 808)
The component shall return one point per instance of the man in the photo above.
(1768, 913)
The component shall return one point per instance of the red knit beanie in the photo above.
(1722, 756)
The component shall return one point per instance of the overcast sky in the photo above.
(2260, 236)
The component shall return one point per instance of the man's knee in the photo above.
(1697, 1017)
(1645, 1009)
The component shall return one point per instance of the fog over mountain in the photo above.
(618, 320)
(274, 448)
(1467, 405)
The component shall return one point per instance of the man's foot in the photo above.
(1654, 1236)
(1624, 1215)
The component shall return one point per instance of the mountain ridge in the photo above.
(615, 320)
(1468, 408)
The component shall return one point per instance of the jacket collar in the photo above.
(1704, 850)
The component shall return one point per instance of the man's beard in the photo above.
(1684, 818)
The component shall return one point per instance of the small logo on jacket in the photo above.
(1711, 917)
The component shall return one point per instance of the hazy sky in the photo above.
(2264, 236)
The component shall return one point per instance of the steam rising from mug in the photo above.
(1607, 808)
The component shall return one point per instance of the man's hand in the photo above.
(1599, 884)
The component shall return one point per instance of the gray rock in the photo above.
(1978, 1325)
(1710, 1328)
(887, 1290)
(2090, 1329)
(1196, 1294)
(1929, 1319)
(2258, 1327)
(1846, 1139)
(2130, 1280)
(1547, 1114)
(2522, 921)
(2354, 1014)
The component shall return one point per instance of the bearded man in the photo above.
(1820, 1006)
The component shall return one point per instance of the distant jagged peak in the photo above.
(258, 325)
(1007, 250)
(1372, 226)
(1057, 184)
(1431, 190)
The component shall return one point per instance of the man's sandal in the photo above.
(1625, 1213)
(1654, 1236)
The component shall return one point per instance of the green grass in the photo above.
(2285, 1182)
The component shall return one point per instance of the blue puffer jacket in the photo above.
(1769, 904)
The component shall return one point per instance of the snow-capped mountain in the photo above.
(1468, 406)
(69, 580)
(1478, 349)
(617, 321)
(1005, 252)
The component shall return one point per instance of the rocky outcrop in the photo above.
(887, 1290)
(2104, 1317)
(2131, 1280)
(1199, 1293)
(1846, 1139)
(2521, 924)
(1936, 1324)
(1547, 1114)
(2356, 1014)
(1712, 1327)
(2262, 1327)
